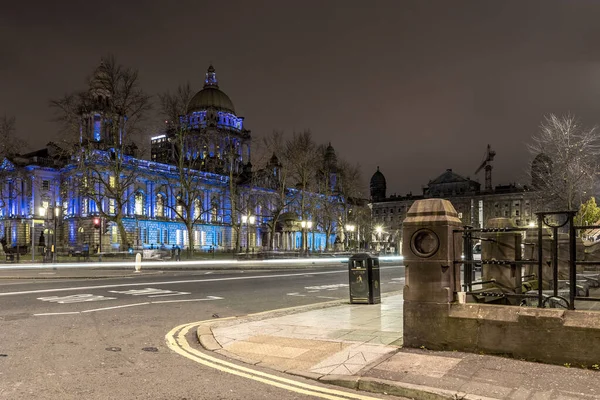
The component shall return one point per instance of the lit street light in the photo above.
(248, 220)
(305, 225)
(349, 229)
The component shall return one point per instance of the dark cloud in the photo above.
(412, 86)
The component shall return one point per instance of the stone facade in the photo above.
(42, 202)
(473, 206)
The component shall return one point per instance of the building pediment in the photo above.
(7, 165)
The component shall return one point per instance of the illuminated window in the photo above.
(113, 234)
(179, 207)
(160, 206)
(111, 206)
(112, 181)
(139, 203)
(197, 208)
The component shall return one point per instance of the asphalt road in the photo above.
(105, 338)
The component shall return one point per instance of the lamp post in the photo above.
(248, 220)
(379, 230)
(43, 212)
(54, 241)
(349, 229)
(305, 225)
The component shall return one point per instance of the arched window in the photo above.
(139, 203)
(198, 208)
(179, 207)
(160, 205)
(214, 208)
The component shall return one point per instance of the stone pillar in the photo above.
(432, 278)
(501, 246)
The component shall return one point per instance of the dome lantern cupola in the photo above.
(211, 78)
(211, 96)
(378, 186)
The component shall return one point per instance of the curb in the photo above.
(367, 384)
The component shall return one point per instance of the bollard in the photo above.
(138, 262)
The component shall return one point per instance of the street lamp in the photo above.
(305, 225)
(54, 241)
(379, 230)
(248, 220)
(349, 229)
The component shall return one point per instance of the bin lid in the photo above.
(362, 256)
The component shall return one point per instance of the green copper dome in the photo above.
(211, 96)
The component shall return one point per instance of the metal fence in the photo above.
(533, 291)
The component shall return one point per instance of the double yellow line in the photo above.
(176, 340)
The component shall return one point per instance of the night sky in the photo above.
(415, 87)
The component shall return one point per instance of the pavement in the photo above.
(360, 347)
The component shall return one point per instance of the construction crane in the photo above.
(487, 164)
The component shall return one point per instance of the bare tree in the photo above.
(350, 189)
(10, 146)
(326, 203)
(565, 165)
(301, 157)
(275, 176)
(185, 186)
(99, 123)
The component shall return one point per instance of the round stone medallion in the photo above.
(424, 243)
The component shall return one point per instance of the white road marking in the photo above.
(75, 298)
(182, 301)
(147, 291)
(112, 308)
(59, 313)
(327, 287)
(208, 298)
(235, 278)
(296, 294)
(172, 294)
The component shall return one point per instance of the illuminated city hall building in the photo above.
(39, 194)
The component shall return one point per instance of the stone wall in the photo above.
(547, 335)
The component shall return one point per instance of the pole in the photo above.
(54, 258)
(100, 235)
(32, 238)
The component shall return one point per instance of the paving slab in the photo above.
(360, 346)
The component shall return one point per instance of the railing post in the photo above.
(572, 263)
(555, 260)
(540, 261)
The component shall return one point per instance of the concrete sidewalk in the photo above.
(359, 346)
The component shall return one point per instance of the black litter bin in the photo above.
(363, 271)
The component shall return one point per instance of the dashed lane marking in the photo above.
(208, 298)
(75, 298)
(150, 292)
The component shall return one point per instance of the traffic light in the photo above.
(97, 223)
